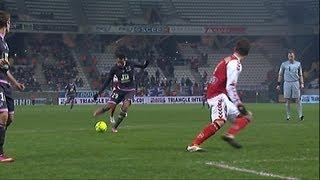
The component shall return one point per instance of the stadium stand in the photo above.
(24, 71)
(54, 64)
(222, 12)
(104, 12)
(48, 11)
(255, 68)
(42, 11)
(137, 6)
(174, 58)
(172, 12)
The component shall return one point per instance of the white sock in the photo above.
(288, 109)
(299, 108)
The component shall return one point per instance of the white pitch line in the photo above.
(250, 171)
(277, 160)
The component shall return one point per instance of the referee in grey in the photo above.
(291, 71)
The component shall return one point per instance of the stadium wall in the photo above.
(168, 29)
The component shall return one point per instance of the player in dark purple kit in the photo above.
(6, 99)
(204, 96)
(71, 92)
(124, 71)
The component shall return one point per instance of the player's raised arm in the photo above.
(105, 84)
(233, 72)
(13, 80)
(142, 66)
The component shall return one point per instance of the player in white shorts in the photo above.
(224, 101)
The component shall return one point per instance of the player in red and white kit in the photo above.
(224, 101)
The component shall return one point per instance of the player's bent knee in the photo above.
(247, 117)
(125, 107)
(105, 108)
(127, 103)
(218, 123)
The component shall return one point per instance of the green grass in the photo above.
(54, 142)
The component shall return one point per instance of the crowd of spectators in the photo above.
(25, 74)
(55, 59)
(194, 63)
(165, 57)
(153, 85)
(23, 69)
(58, 64)
(312, 76)
(166, 65)
(86, 45)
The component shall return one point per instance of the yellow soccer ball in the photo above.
(101, 126)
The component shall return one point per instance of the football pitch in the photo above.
(53, 142)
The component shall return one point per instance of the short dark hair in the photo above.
(242, 47)
(4, 18)
(291, 51)
(121, 56)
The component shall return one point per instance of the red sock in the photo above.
(238, 125)
(208, 131)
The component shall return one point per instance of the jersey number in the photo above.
(2, 97)
(114, 95)
(125, 78)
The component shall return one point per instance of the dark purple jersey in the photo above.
(4, 54)
(6, 100)
(71, 88)
(125, 75)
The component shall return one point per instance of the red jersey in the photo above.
(224, 79)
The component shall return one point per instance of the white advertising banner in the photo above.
(142, 100)
(310, 98)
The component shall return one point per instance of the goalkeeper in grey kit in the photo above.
(291, 71)
(124, 71)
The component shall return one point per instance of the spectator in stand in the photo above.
(204, 76)
(176, 88)
(183, 81)
(189, 86)
(188, 82)
(24, 72)
(157, 75)
(152, 80)
(204, 58)
(79, 82)
(196, 89)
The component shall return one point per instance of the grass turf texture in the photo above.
(54, 142)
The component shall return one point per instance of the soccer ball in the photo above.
(101, 126)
